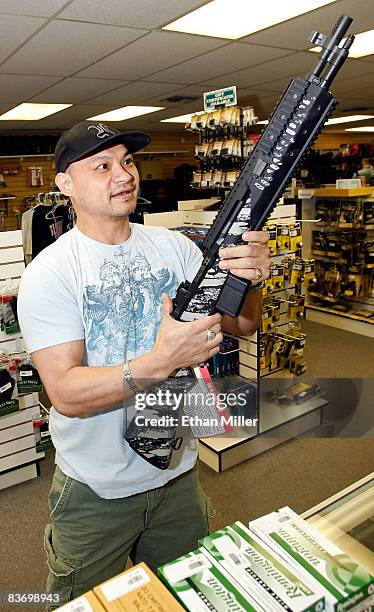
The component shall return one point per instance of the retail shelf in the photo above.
(22, 155)
(340, 320)
(332, 192)
(22, 474)
(273, 416)
(235, 451)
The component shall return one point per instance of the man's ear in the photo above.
(63, 182)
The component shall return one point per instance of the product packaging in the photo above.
(85, 603)
(261, 572)
(8, 390)
(28, 378)
(202, 585)
(136, 590)
(345, 585)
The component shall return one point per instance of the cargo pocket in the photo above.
(63, 573)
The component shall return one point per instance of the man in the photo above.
(96, 317)
(367, 170)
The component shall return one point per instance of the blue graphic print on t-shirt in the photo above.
(122, 312)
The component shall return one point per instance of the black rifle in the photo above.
(292, 129)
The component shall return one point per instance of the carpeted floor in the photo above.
(299, 473)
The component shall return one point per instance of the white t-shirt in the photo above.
(110, 296)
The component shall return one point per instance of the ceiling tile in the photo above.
(354, 83)
(294, 33)
(135, 92)
(297, 64)
(39, 8)
(74, 90)
(152, 53)
(70, 46)
(14, 31)
(142, 13)
(18, 88)
(219, 61)
(268, 71)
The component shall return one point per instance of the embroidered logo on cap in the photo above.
(102, 130)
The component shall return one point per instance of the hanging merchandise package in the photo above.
(295, 237)
(35, 177)
(8, 393)
(28, 378)
(8, 307)
(272, 242)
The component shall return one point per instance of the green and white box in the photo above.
(201, 585)
(345, 584)
(261, 572)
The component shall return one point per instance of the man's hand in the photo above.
(246, 260)
(182, 344)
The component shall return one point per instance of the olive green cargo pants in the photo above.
(90, 539)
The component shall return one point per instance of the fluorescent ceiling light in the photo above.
(263, 122)
(181, 118)
(348, 119)
(238, 18)
(29, 112)
(368, 128)
(126, 112)
(363, 44)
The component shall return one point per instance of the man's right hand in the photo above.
(183, 344)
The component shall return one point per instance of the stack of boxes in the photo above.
(278, 563)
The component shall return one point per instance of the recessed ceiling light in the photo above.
(181, 118)
(348, 119)
(368, 128)
(29, 112)
(238, 18)
(126, 112)
(363, 44)
(263, 122)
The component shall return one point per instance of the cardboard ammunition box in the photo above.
(85, 603)
(136, 590)
(345, 584)
(261, 572)
(202, 585)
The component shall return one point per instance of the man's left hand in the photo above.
(250, 261)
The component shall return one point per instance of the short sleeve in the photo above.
(191, 254)
(48, 310)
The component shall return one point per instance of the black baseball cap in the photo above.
(86, 138)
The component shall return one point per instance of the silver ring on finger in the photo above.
(258, 273)
(210, 334)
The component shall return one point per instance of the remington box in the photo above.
(202, 585)
(85, 603)
(261, 572)
(136, 590)
(345, 584)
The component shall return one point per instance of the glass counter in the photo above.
(347, 519)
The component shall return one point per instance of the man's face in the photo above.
(106, 184)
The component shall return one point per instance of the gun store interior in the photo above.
(196, 168)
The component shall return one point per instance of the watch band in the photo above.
(127, 377)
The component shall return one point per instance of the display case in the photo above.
(339, 235)
(347, 519)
